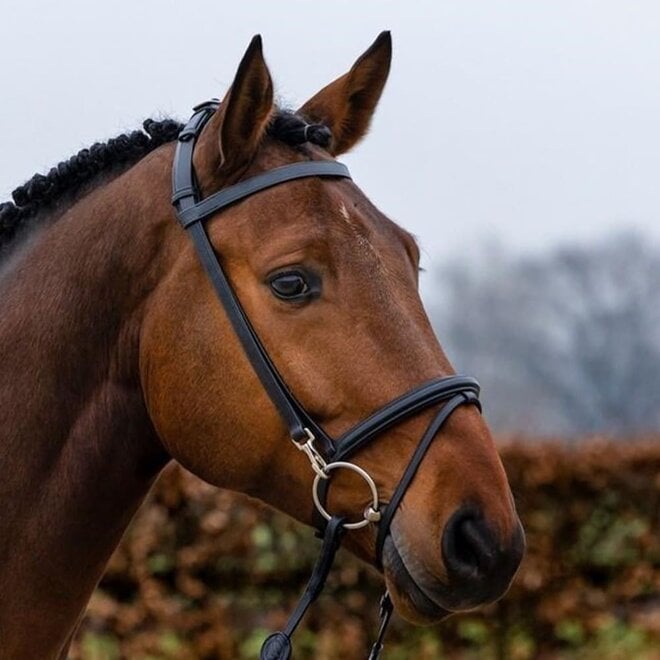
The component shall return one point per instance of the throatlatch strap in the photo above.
(278, 645)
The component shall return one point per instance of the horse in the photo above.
(117, 359)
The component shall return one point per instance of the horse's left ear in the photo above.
(234, 133)
(247, 107)
(347, 105)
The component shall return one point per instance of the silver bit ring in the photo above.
(371, 513)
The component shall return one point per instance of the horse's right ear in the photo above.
(241, 121)
(347, 105)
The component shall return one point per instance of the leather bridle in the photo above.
(324, 453)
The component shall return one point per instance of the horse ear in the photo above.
(347, 105)
(244, 113)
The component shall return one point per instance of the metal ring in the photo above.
(369, 511)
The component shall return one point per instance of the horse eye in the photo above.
(292, 285)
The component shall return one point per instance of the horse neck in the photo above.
(78, 452)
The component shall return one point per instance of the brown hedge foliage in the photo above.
(204, 574)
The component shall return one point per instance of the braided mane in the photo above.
(43, 192)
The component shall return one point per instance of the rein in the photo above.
(325, 454)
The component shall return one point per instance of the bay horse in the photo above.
(117, 358)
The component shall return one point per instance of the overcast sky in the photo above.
(535, 122)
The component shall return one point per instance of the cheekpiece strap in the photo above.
(191, 211)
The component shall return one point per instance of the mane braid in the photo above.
(43, 192)
(68, 177)
(292, 129)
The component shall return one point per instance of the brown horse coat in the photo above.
(116, 357)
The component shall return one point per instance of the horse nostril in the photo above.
(469, 548)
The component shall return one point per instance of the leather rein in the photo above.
(325, 454)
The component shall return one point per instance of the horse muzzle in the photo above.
(478, 567)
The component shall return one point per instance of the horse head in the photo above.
(330, 287)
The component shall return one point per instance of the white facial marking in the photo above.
(361, 239)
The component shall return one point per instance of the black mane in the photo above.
(44, 191)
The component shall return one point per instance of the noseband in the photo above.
(325, 454)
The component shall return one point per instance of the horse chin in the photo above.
(410, 601)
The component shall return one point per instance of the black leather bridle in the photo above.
(325, 453)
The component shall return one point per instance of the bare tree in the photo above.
(565, 342)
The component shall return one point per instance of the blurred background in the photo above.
(519, 142)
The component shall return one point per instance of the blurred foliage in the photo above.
(555, 337)
(206, 574)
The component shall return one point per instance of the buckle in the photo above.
(211, 104)
(201, 114)
(315, 458)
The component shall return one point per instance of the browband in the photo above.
(239, 191)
